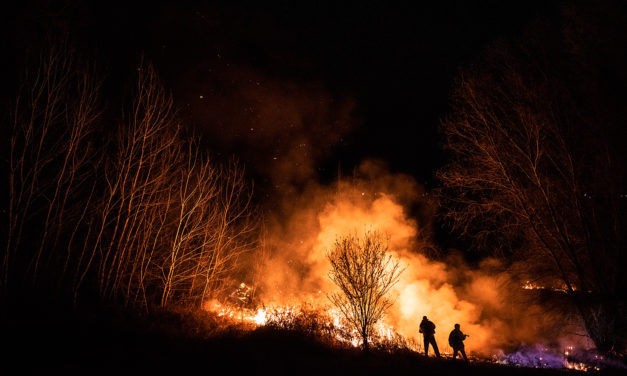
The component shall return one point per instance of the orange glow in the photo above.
(295, 272)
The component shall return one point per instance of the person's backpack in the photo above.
(431, 327)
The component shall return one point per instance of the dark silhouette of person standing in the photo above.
(427, 328)
(456, 340)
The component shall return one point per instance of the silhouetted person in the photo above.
(427, 328)
(456, 340)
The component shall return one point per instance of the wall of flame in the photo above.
(448, 291)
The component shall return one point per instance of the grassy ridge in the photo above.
(107, 341)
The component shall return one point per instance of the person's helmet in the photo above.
(424, 317)
(456, 326)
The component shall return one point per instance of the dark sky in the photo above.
(380, 73)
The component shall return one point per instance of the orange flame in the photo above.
(306, 227)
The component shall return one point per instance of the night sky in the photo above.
(363, 80)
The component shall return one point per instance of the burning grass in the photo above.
(327, 326)
(295, 340)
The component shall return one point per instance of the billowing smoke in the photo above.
(484, 300)
(284, 130)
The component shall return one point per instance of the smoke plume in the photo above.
(484, 300)
(285, 130)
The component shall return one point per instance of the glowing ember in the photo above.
(529, 285)
(570, 358)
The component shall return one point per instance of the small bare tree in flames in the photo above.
(364, 272)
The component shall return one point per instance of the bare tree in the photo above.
(50, 164)
(142, 215)
(171, 222)
(212, 229)
(364, 272)
(535, 175)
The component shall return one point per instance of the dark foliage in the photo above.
(537, 173)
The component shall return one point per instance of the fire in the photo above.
(542, 357)
(260, 318)
(298, 268)
(327, 319)
(529, 285)
(291, 280)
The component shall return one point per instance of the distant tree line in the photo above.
(126, 207)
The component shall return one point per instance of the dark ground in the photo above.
(107, 342)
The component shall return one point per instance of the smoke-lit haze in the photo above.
(280, 128)
(482, 300)
(186, 169)
(284, 130)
